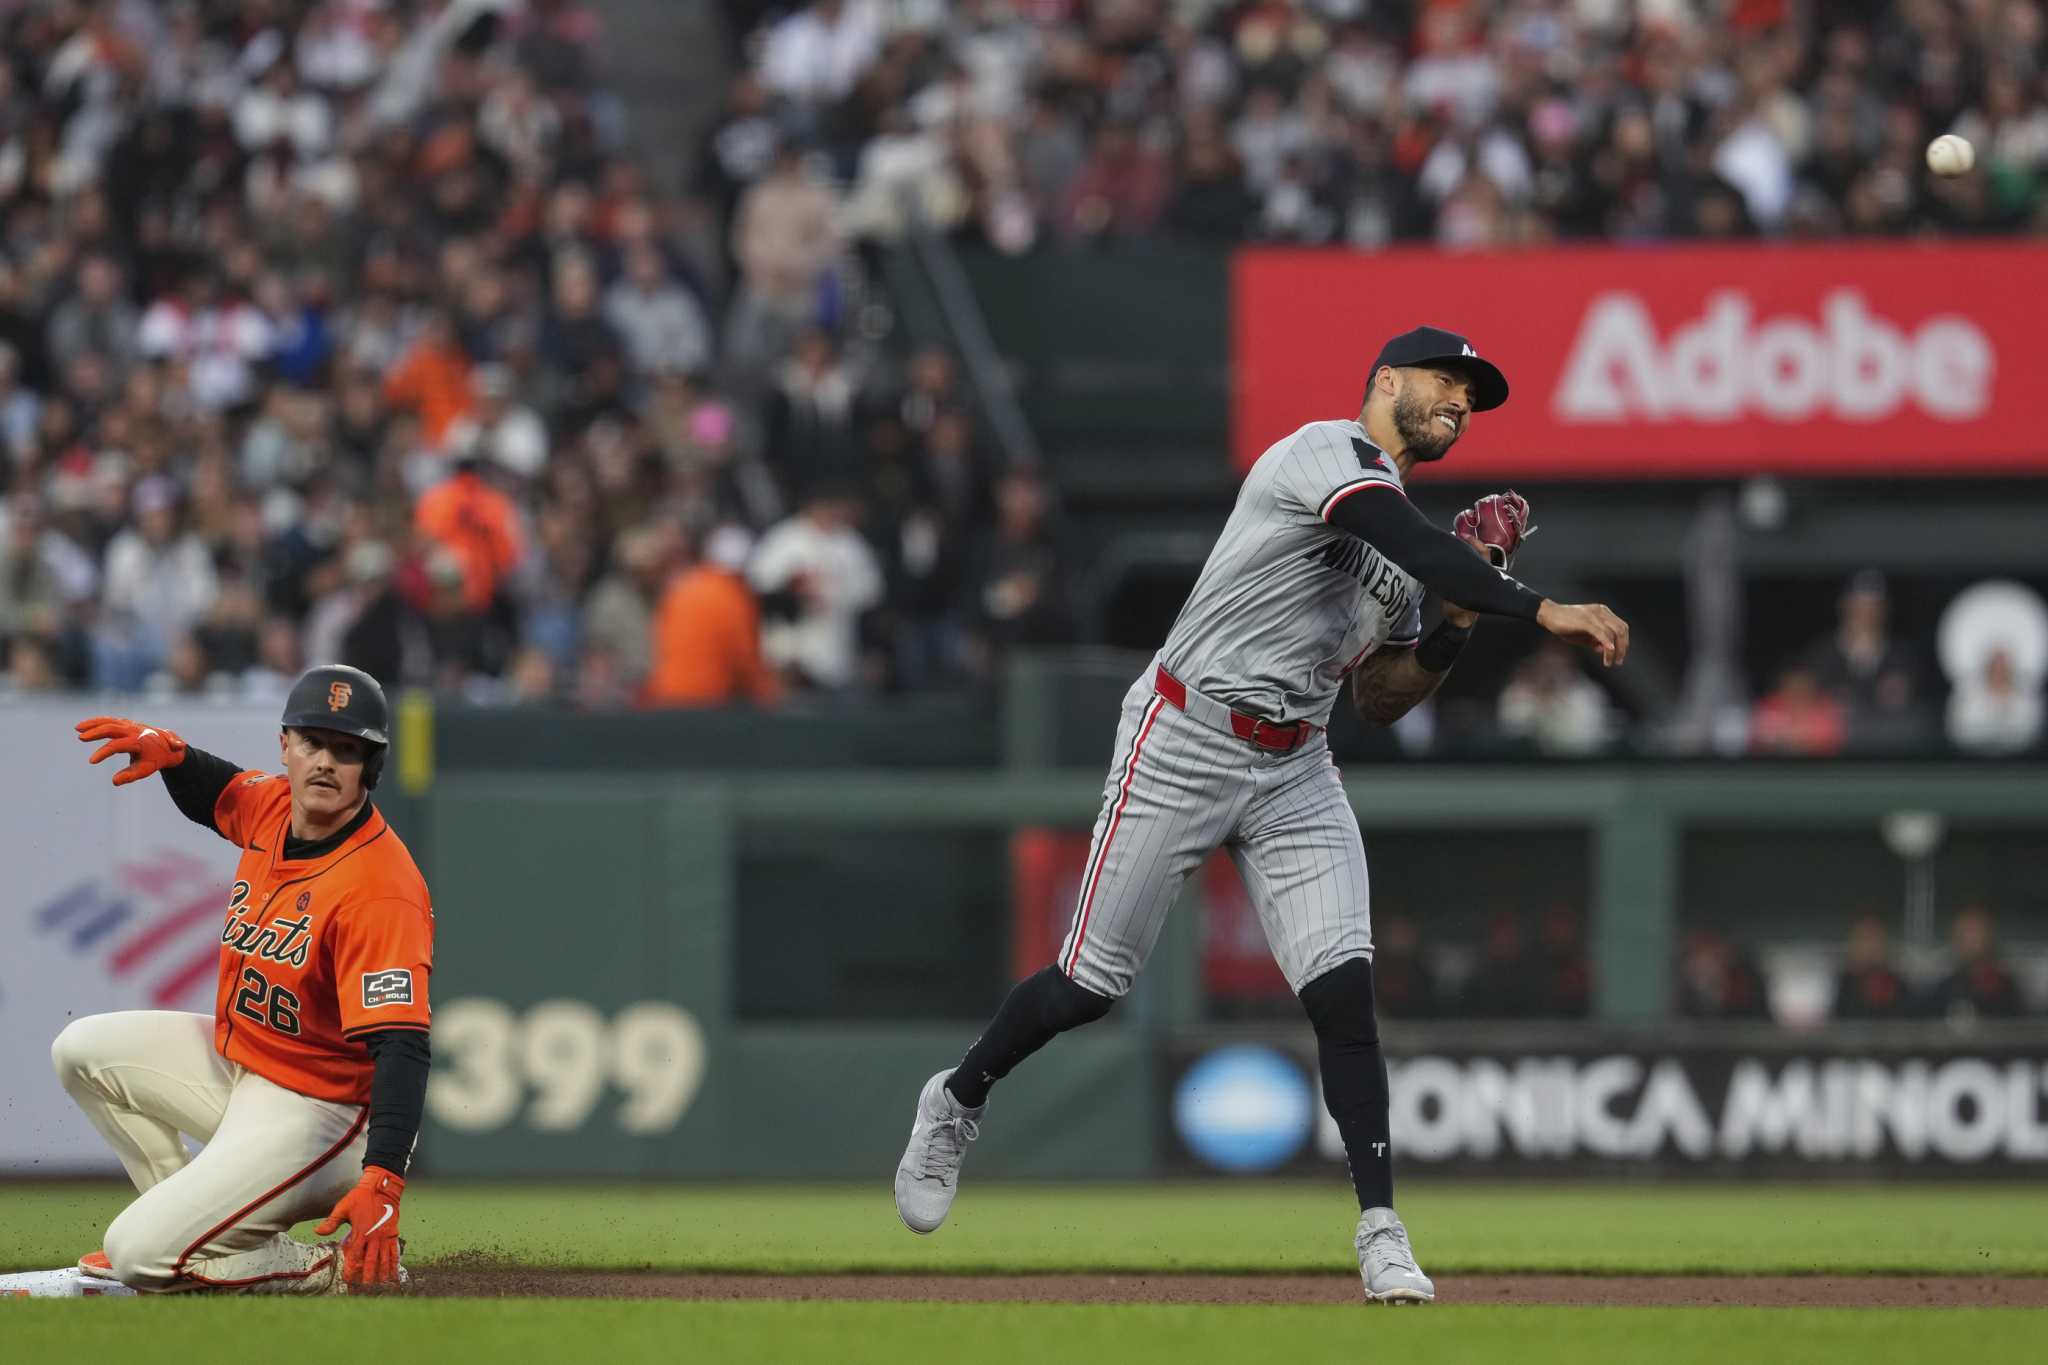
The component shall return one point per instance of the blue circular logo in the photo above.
(1243, 1108)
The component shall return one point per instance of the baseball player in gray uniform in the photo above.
(1317, 576)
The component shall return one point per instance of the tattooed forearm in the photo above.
(1389, 684)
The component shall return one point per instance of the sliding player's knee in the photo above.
(1339, 1004)
(1066, 1004)
(79, 1051)
(140, 1256)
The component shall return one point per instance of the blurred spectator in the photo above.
(1862, 666)
(44, 575)
(479, 526)
(1212, 203)
(1798, 719)
(432, 380)
(159, 581)
(1551, 703)
(229, 633)
(810, 416)
(530, 678)
(504, 430)
(817, 578)
(1121, 189)
(279, 662)
(1995, 713)
(1869, 986)
(816, 54)
(1025, 599)
(187, 671)
(377, 628)
(211, 335)
(659, 320)
(31, 668)
(707, 633)
(785, 239)
(96, 320)
(1567, 981)
(1717, 980)
(1509, 982)
(467, 648)
(618, 616)
(1979, 985)
(1402, 982)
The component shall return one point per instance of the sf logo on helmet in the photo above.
(338, 695)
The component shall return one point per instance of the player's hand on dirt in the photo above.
(1498, 524)
(1591, 625)
(369, 1256)
(150, 749)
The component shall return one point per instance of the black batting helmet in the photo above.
(337, 697)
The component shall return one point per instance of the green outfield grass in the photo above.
(887, 1333)
(1459, 1228)
(851, 1333)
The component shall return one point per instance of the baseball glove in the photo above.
(1499, 522)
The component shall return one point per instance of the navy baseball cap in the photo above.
(1435, 346)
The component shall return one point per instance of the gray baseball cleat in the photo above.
(1387, 1263)
(929, 1175)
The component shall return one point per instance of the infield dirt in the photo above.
(1666, 1291)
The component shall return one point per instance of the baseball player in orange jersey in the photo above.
(307, 1084)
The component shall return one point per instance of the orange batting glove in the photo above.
(370, 1255)
(151, 750)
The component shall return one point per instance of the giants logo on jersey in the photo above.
(286, 941)
(1380, 580)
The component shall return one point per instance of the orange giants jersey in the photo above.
(317, 951)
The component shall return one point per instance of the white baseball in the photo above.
(1950, 155)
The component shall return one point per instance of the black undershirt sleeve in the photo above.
(1444, 564)
(196, 784)
(398, 1095)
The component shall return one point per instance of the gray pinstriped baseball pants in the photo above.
(1177, 790)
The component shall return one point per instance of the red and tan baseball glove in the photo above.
(1499, 522)
(149, 748)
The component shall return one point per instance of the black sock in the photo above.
(1037, 1008)
(1339, 1003)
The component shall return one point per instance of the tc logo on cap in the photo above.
(338, 695)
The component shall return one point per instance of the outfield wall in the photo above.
(749, 974)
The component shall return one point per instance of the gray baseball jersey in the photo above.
(1286, 606)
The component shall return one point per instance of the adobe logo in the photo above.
(1728, 365)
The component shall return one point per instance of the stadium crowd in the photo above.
(350, 329)
(1973, 979)
(1470, 123)
(347, 330)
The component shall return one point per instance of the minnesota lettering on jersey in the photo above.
(1380, 580)
(1287, 604)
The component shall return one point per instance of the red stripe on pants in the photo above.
(1115, 819)
(362, 1117)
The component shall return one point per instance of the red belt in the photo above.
(1264, 733)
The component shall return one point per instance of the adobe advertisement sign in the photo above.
(1674, 362)
(1248, 1107)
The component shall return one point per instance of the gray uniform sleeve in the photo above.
(1322, 467)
